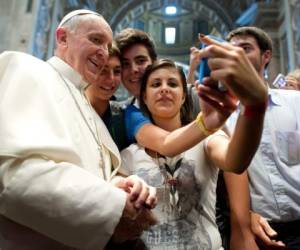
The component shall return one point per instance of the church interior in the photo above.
(174, 24)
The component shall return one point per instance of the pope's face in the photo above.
(87, 47)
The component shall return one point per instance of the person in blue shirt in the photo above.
(137, 52)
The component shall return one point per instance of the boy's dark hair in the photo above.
(186, 108)
(263, 39)
(129, 37)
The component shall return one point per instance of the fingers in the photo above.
(223, 102)
(122, 185)
(271, 244)
(193, 49)
(136, 189)
(267, 228)
(260, 233)
(140, 193)
(264, 233)
(271, 234)
(291, 84)
(207, 40)
(142, 197)
(194, 59)
(151, 201)
(214, 48)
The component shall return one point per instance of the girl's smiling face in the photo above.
(164, 93)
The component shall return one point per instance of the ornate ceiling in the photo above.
(215, 17)
(193, 16)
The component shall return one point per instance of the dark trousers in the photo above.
(222, 211)
(288, 233)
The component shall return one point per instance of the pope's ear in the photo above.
(61, 36)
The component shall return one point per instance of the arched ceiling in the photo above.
(194, 16)
(115, 10)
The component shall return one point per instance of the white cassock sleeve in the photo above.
(47, 182)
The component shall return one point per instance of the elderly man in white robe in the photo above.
(58, 163)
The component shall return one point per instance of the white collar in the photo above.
(68, 72)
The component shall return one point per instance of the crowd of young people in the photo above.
(160, 192)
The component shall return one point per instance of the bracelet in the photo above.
(200, 123)
(253, 110)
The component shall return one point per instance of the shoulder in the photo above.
(291, 97)
(18, 58)
(19, 65)
(284, 92)
(15, 55)
(25, 71)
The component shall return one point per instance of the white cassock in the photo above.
(50, 167)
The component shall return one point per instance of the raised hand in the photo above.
(194, 61)
(216, 106)
(230, 65)
(291, 83)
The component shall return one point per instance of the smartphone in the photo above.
(279, 81)
(204, 70)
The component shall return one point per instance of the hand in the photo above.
(194, 58)
(129, 229)
(230, 65)
(194, 61)
(291, 83)
(216, 106)
(264, 233)
(140, 193)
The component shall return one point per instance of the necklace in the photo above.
(169, 168)
(96, 136)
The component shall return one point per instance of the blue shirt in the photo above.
(274, 173)
(134, 120)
